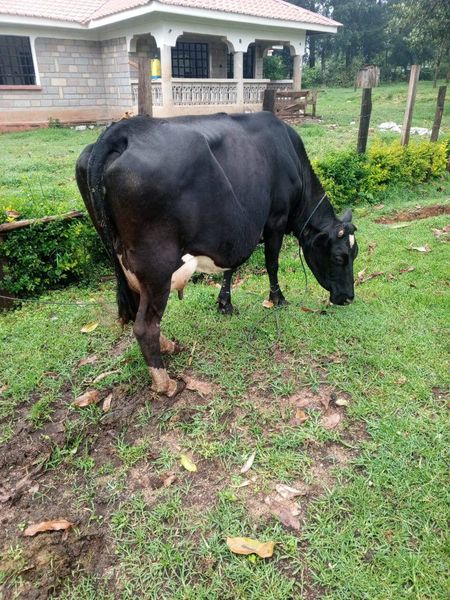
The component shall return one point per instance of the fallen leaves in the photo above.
(248, 463)
(268, 304)
(407, 270)
(362, 277)
(423, 249)
(89, 327)
(341, 402)
(442, 234)
(89, 360)
(243, 545)
(195, 385)
(300, 417)
(106, 406)
(169, 480)
(287, 492)
(56, 525)
(88, 398)
(331, 420)
(105, 375)
(187, 463)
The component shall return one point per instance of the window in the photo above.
(16, 61)
(230, 65)
(190, 59)
(249, 63)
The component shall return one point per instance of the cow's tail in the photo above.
(113, 141)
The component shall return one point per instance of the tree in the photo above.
(425, 27)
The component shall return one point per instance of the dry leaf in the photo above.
(371, 248)
(248, 463)
(360, 276)
(267, 304)
(407, 270)
(401, 380)
(56, 525)
(51, 374)
(242, 545)
(331, 420)
(341, 402)
(87, 361)
(12, 214)
(105, 375)
(287, 492)
(107, 403)
(300, 417)
(89, 327)
(424, 249)
(187, 463)
(89, 397)
(169, 479)
(397, 225)
(195, 385)
(3, 388)
(287, 518)
(361, 279)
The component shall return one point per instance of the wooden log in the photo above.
(439, 113)
(413, 79)
(145, 102)
(364, 120)
(269, 100)
(74, 214)
(368, 77)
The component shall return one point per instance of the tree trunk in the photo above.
(312, 51)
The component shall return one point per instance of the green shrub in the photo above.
(349, 177)
(49, 255)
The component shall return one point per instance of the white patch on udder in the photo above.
(201, 264)
(133, 281)
(351, 239)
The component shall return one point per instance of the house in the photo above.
(75, 60)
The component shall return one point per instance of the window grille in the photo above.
(190, 59)
(16, 61)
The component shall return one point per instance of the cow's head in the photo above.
(330, 254)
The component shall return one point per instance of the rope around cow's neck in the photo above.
(301, 233)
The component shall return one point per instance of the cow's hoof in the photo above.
(278, 300)
(162, 384)
(226, 309)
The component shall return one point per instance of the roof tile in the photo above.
(83, 11)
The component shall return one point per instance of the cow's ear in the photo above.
(347, 216)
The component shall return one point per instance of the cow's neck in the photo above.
(315, 214)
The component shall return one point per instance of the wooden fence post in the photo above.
(145, 103)
(413, 79)
(439, 112)
(367, 78)
(364, 120)
(269, 100)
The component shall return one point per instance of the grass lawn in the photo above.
(371, 517)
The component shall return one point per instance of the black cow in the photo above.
(173, 196)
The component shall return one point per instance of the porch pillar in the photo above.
(239, 75)
(297, 75)
(166, 77)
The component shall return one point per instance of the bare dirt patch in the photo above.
(423, 212)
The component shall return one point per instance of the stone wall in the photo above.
(80, 80)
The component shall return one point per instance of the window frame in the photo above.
(190, 50)
(37, 82)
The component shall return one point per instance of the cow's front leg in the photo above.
(272, 246)
(148, 333)
(224, 298)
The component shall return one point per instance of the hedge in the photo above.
(50, 255)
(350, 178)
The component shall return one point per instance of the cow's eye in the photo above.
(340, 260)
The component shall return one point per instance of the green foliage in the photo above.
(48, 255)
(275, 68)
(350, 177)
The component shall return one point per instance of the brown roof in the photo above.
(83, 11)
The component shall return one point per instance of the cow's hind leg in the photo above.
(147, 331)
(272, 245)
(224, 298)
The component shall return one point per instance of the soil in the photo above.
(35, 487)
(415, 214)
